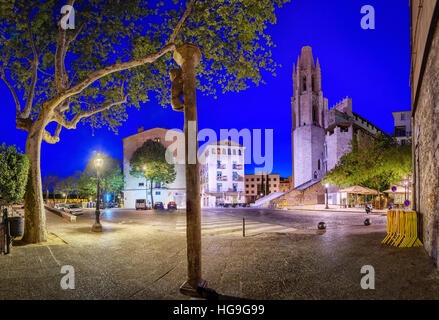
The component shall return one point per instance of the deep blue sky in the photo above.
(370, 66)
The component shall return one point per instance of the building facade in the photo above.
(403, 126)
(139, 188)
(425, 119)
(222, 174)
(259, 185)
(285, 184)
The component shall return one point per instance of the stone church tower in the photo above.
(309, 110)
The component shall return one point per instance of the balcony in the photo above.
(221, 178)
(238, 178)
(237, 166)
(220, 166)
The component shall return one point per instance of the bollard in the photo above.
(2, 237)
(243, 227)
(7, 237)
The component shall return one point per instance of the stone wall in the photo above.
(312, 195)
(426, 151)
(338, 144)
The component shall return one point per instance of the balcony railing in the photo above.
(237, 166)
(221, 178)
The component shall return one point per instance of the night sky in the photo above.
(370, 66)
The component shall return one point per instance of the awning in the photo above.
(359, 190)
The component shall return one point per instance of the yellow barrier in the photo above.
(402, 229)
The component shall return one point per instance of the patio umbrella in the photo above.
(359, 190)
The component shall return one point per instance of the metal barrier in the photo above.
(402, 229)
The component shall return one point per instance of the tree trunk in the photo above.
(35, 215)
(152, 199)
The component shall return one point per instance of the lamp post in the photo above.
(405, 189)
(326, 186)
(97, 227)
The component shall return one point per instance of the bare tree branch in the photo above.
(14, 94)
(96, 75)
(34, 65)
(61, 77)
(59, 118)
(181, 22)
(75, 35)
(52, 139)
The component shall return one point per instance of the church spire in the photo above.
(318, 77)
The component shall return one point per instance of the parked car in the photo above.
(59, 205)
(172, 205)
(74, 209)
(141, 204)
(159, 206)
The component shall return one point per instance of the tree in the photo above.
(149, 162)
(48, 183)
(13, 174)
(375, 163)
(68, 185)
(111, 177)
(118, 55)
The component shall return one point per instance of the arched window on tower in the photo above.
(304, 83)
(315, 116)
(312, 83)
(318, 165)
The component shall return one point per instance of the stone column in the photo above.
(188, 56)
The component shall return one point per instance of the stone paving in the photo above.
(136, 257)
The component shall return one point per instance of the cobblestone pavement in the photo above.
(142, 255)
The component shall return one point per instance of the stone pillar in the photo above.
(188, 56)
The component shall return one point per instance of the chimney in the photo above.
(139, 129)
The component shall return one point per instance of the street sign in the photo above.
(394, 188)
(407, 203)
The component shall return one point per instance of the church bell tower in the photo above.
(309, 109)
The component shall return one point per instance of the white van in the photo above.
(141, 204)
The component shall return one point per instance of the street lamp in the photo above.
(405, 189)
(327, 186)
(97, 227)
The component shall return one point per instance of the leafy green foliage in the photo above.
(14, 167)
(68, 185)
(149, 162)
(232, 35)
(375, 163)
